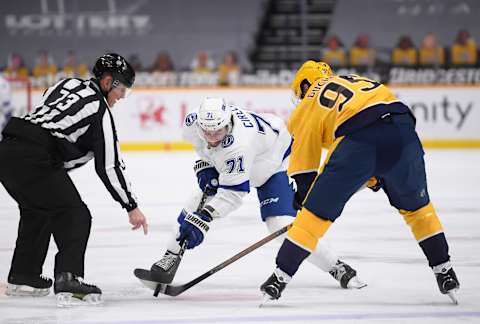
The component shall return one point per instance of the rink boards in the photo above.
(151, 118)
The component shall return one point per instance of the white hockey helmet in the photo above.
(214, 114)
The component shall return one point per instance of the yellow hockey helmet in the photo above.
(309, 72)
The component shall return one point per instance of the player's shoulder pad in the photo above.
(190, 119)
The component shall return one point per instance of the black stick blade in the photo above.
(158, 287)
(146, 279)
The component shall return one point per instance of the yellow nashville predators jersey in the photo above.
(331, 108)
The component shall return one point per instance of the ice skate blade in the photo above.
(22, 290)
(266, 299)
(93, 299)
(355, 283)
(69, 300)
(452, 294)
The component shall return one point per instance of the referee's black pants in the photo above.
(49, 204)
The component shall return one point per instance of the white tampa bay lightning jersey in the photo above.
(256, 148)
(5, 104)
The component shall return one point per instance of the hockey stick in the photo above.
(145, 275)
(171, 290)
(183, 244)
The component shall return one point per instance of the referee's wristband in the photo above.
(130, 206)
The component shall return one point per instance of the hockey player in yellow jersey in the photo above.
(371, 140)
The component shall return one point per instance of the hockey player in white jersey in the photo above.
(5, 103)
(239, 150)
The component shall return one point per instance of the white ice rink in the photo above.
(370, 235)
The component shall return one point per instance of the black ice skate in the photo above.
(447, 280)
(28, 285)
(275, 284)
(164, 269)
(346, 275)
(71, 290)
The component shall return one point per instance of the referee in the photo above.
(71, 125)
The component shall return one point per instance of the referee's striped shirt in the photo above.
(76, 113)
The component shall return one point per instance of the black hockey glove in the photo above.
(303, 181)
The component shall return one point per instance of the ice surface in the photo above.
(370, 236)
